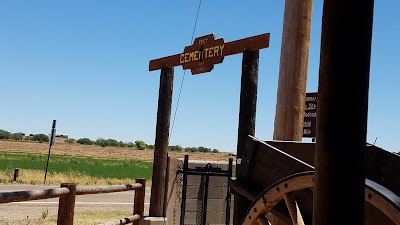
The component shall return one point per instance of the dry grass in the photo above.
(100, 152)
(80, 218)
(36, 177)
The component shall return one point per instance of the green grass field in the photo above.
(97, 168)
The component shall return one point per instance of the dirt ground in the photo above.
(101, 152)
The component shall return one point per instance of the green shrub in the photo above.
(130, 144)
(191, 149)
(28, 138)
(40, 138)
(112, 142)
(17, 136)
(203, 149)
(101, 142)
(176, 148)
(215, 151)
(70, 141)
(84, 141)
(140, 145)
(5, 134)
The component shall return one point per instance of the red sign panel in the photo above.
(310, 115)
(207, 51)
(203, 54)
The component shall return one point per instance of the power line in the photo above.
(184, 73)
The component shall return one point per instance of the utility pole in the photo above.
(342, 112)
(292, 81)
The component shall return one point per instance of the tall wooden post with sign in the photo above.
(201, 57)
(293, 70)
(292, 79)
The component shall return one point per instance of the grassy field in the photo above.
(109, 171)
(82, 164)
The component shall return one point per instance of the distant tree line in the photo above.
(179, 148)
(141, 145)
(109, 143)
(19, 136)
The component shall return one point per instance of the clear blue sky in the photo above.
(85, 64)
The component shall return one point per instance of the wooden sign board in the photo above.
(310, 115)
(206, 51)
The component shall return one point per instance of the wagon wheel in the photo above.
(376, 195)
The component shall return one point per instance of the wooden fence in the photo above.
(67, 193)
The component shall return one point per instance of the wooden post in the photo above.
(293, 71)
(342, 112)
(16, 174)
(66, 205)
(161, 142)
(289, 117)
(247, 123)
(138, 203)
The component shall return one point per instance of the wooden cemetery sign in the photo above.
(200, 57)
(310, 115)
(207, 51)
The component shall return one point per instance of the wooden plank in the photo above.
(245, 191)
(383, 168)
(247, 44)
(381, 165)
(300, 150)
(270, 165)
(235, 47)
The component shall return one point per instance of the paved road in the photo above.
(117, 201)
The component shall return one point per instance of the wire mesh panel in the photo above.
(194, 200)
(217, 204)
(205, 195)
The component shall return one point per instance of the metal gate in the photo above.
(200, 205)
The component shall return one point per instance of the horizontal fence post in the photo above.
(21, 196)
(86, 190)
(138, 204)
(66, 206)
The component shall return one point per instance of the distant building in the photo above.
(62, 136)
(21, 133)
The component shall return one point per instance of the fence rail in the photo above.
(67, 193)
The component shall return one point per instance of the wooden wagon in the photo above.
(281, 169)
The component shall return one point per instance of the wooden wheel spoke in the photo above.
(293, 208)
(262, 220)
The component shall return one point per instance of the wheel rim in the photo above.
(375, 194)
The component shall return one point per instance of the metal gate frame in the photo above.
(206, 171)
